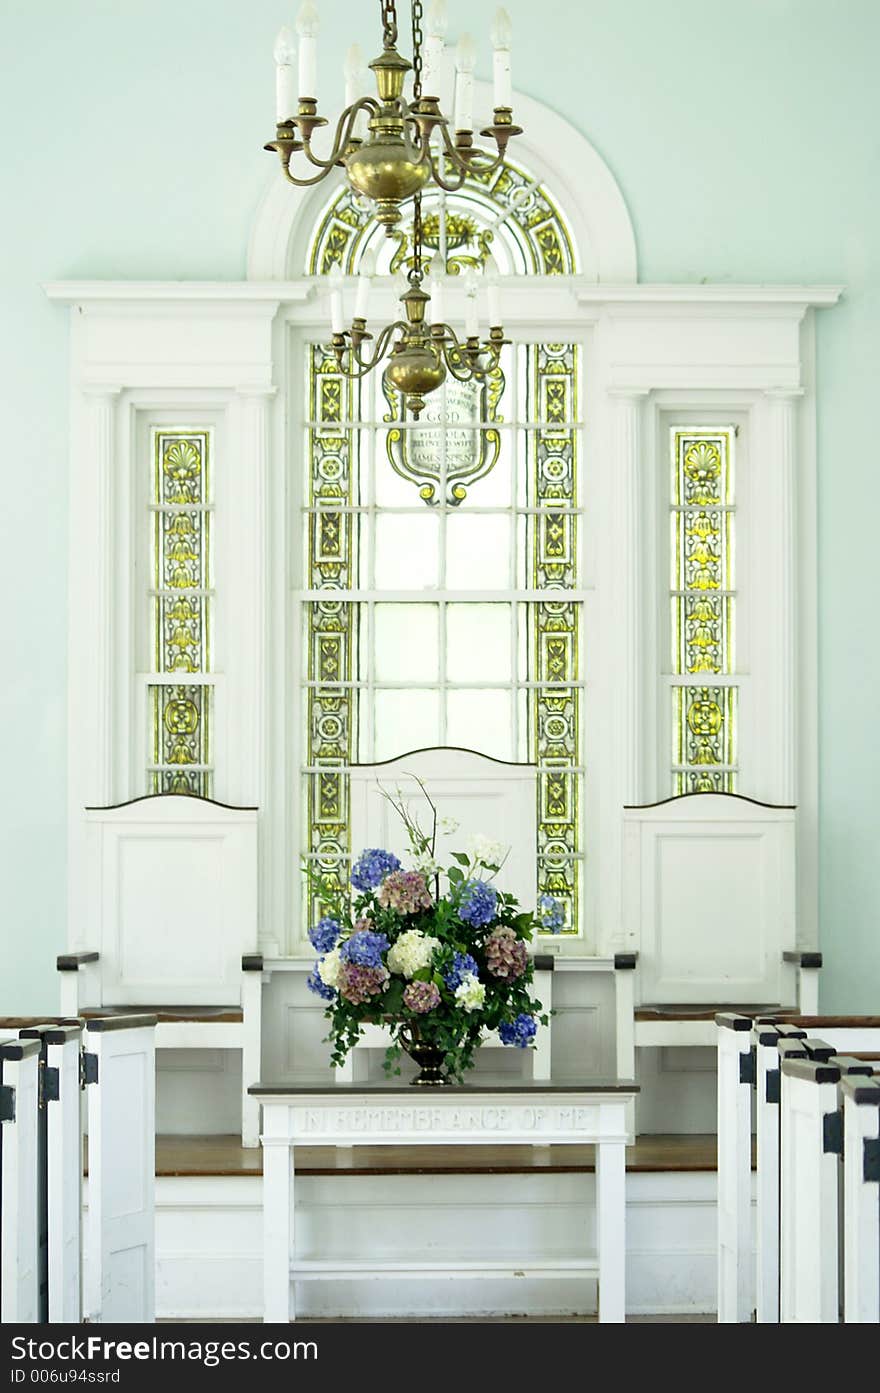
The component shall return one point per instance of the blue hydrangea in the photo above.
(364, 948)
(325, 935)
(314, 984)
(462, 964)
(552, 914)
(479, 901)
(520, 1032)
(371, 868)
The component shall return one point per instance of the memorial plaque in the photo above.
(458, 418)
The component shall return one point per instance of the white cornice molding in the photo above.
(271, 295)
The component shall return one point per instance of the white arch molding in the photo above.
(551, 149)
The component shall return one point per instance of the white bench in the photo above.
(861, 1199)
(19, 1182)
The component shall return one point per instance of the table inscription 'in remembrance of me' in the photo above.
(407, 1120)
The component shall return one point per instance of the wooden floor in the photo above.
(224, 1155)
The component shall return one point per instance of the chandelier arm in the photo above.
(438, 174)
(344, 129)
(364, 365)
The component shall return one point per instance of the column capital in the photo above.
(629, 393)
(101, 390)
(783, 393)
(256, 390)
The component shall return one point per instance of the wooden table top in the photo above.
(402, 1090)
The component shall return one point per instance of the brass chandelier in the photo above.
(398, 157)
(408, 147)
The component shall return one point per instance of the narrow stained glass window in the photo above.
(180, 706)
(703, 597)
(441, 595)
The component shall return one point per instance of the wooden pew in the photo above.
(811, 1142)
(120, 1284)
(771, 1037)
(60, 1169)
(860, 1098)
(19, 1181)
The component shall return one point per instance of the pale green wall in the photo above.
(746, 139)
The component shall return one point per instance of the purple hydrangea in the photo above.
(479, 900)
(314, 984)
(421, 996)
(371, 868)
(552, 914)
(520, 1032)
(325, 935)
(364, 948)
(462, 964)
(357, 984)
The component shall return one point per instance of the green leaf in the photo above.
(454, 875)
(460, 857)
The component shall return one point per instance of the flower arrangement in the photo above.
(438, 968)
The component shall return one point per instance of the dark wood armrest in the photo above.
(624, 962)
(71, 962)
(252, 962)
(803, 959)
(545, 962)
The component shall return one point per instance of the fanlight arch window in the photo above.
(441, 596)
(508, 220)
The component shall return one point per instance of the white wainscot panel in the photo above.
(198, 1091)
(209, 1243)
(678, 1091)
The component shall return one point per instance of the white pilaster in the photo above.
(97, 581)
(627, 473)
(776, 497)
(248, 606)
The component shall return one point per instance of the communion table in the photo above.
(390, 1112)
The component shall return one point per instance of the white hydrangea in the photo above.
(485, 851)
(470, 992)
(328, 968)
(425, 863)
(411, 952)
(447, 825)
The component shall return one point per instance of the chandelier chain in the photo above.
(389, 22)
(418, 39)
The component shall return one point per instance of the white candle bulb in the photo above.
(471, 320)
(366, 271)
(354, 63)
(334, 279)
(501, 39)
(285, 84)
(436, 292)
(465, 59)
(434, 47)
(493, 295)
(307, 26)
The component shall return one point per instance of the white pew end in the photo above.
(861, 1199)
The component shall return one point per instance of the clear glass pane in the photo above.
(477, 551)
(407, 551)
(404, 721)
(406, 643)
(478, 643)
(481, 720)
(392, 490)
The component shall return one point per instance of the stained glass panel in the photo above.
(554, 644)
(181, 518)
(507, 218)
(180, 718)
(703, 598)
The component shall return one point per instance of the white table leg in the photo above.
(611, 1229)
(277, 1231)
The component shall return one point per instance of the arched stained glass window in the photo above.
(508, 220)
(441, 593)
